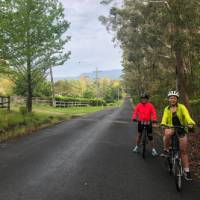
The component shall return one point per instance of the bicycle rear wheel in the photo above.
(144, 139)
(178, 175)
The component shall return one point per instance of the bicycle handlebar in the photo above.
(146, 122)
(176, 127)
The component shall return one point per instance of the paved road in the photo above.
(88, 158)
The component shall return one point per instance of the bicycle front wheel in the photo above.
(178, 175)
(144, 139)
(169, 163)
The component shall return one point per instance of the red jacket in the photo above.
(144, 112)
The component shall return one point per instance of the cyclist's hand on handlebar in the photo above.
(163, 126)
(155, 123)
(191, 128)
(134, 120)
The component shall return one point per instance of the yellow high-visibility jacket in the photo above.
(182, 113)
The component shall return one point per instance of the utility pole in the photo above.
(97, 86)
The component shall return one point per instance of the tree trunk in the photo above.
(182, 78)
(29, 89)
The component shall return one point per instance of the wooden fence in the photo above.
(69, 104)
(5, 102)
(38, 100)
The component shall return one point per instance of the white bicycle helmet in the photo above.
(173, 93)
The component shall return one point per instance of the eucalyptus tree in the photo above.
(141, 44)
(160, 42)
(34, 39)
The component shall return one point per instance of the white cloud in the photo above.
(90, 41)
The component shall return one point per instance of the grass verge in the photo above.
(16, 124)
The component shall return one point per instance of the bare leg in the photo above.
(183, 142)
(167, 138)
(152, 144)
(138, 139)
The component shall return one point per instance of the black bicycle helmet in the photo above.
(144, 95)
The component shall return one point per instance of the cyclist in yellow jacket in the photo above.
(176, 114)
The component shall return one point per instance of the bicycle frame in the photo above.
(174, 159)
(144, 137)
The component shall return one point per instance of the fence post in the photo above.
(8, 103)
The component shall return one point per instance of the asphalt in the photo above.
(88, 158)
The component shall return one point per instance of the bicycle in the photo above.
(144, 136)
(174, 159)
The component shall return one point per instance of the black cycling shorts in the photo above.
(181, 132)
(149, 130)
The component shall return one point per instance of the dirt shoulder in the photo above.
(194, 150)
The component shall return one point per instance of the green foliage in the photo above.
(6, 86)
(97, 102)
(71, 99)
(109, 90)
(40, 89)
(110, 96)
(13, 121)
(88, 94)
(32, 38)
(23, 110)
(161, 44)
(195, 107)
(69, 88)
(91, 102)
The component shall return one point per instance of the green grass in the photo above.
(14, 119)
(66, 111)
(14, 123)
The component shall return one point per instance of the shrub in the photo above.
(91, 102)
(97, 102)
(23, 110)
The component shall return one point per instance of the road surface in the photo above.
(87, 158)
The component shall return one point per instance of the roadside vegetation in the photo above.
(19, 122)
(161, 48)
(81, 97)
(33, 40)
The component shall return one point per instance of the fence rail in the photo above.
(69, 104)
(37, 100)
(5, 102)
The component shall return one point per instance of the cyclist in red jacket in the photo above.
(144, 111)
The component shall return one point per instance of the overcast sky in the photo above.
(91, 45)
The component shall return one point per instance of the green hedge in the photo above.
(91, 102)
(72, 99)
(97, 102)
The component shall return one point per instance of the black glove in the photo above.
(134, 120)
(191, 129)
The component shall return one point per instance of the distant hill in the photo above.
(112, 74)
